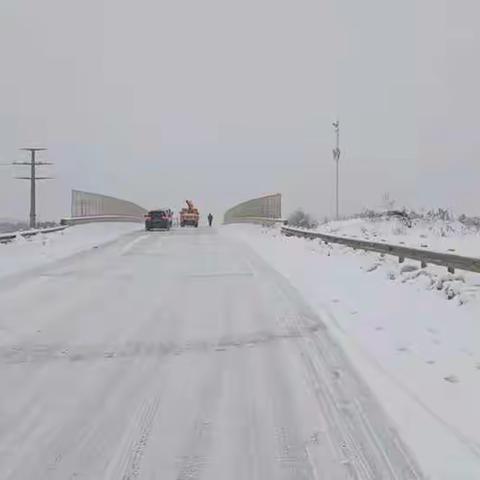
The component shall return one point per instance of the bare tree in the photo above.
(387, 202)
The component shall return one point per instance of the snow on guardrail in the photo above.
(8, 237)
(257, 220)
(451, 261)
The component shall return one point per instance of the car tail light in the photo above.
(147, 218)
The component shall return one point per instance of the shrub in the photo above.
(301, 219)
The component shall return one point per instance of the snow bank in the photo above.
(418, 350)
(436, 234)
(26, 253)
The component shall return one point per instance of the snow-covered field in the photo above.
(27, 253)
(413, 334)
(436, 234)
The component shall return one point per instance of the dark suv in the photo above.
(158, 219)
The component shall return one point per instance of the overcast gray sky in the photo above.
(156, 101)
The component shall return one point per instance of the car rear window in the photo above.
(158, 213)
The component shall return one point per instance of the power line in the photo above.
(33, 179)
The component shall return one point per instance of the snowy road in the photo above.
(180, 356)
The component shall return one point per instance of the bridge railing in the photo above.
(90, 207)
(87, 204)
(264, 210)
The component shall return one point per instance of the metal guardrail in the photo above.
(101, 218)
(66, 222)
(451, 261)
(8, 237)
(258, 220)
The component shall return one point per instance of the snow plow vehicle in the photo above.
(189, 215)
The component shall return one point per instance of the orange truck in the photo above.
(189, 215)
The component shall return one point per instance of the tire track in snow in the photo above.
(81, 447)
(197, 456)
(292, 456)
(137, 448)
(370, 450)
(193, 464)
(364, 440)
(129, 246)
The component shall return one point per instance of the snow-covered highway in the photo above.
(179, 355)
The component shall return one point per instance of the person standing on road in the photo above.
(210, 219)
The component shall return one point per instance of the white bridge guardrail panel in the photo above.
(267, 208)
(87, 204)
(451, 261)
(90, 207)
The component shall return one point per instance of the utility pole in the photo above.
(336, 158)
(33, 179)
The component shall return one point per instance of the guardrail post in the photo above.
(423, 264)
(401, 259)
(451, 269)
